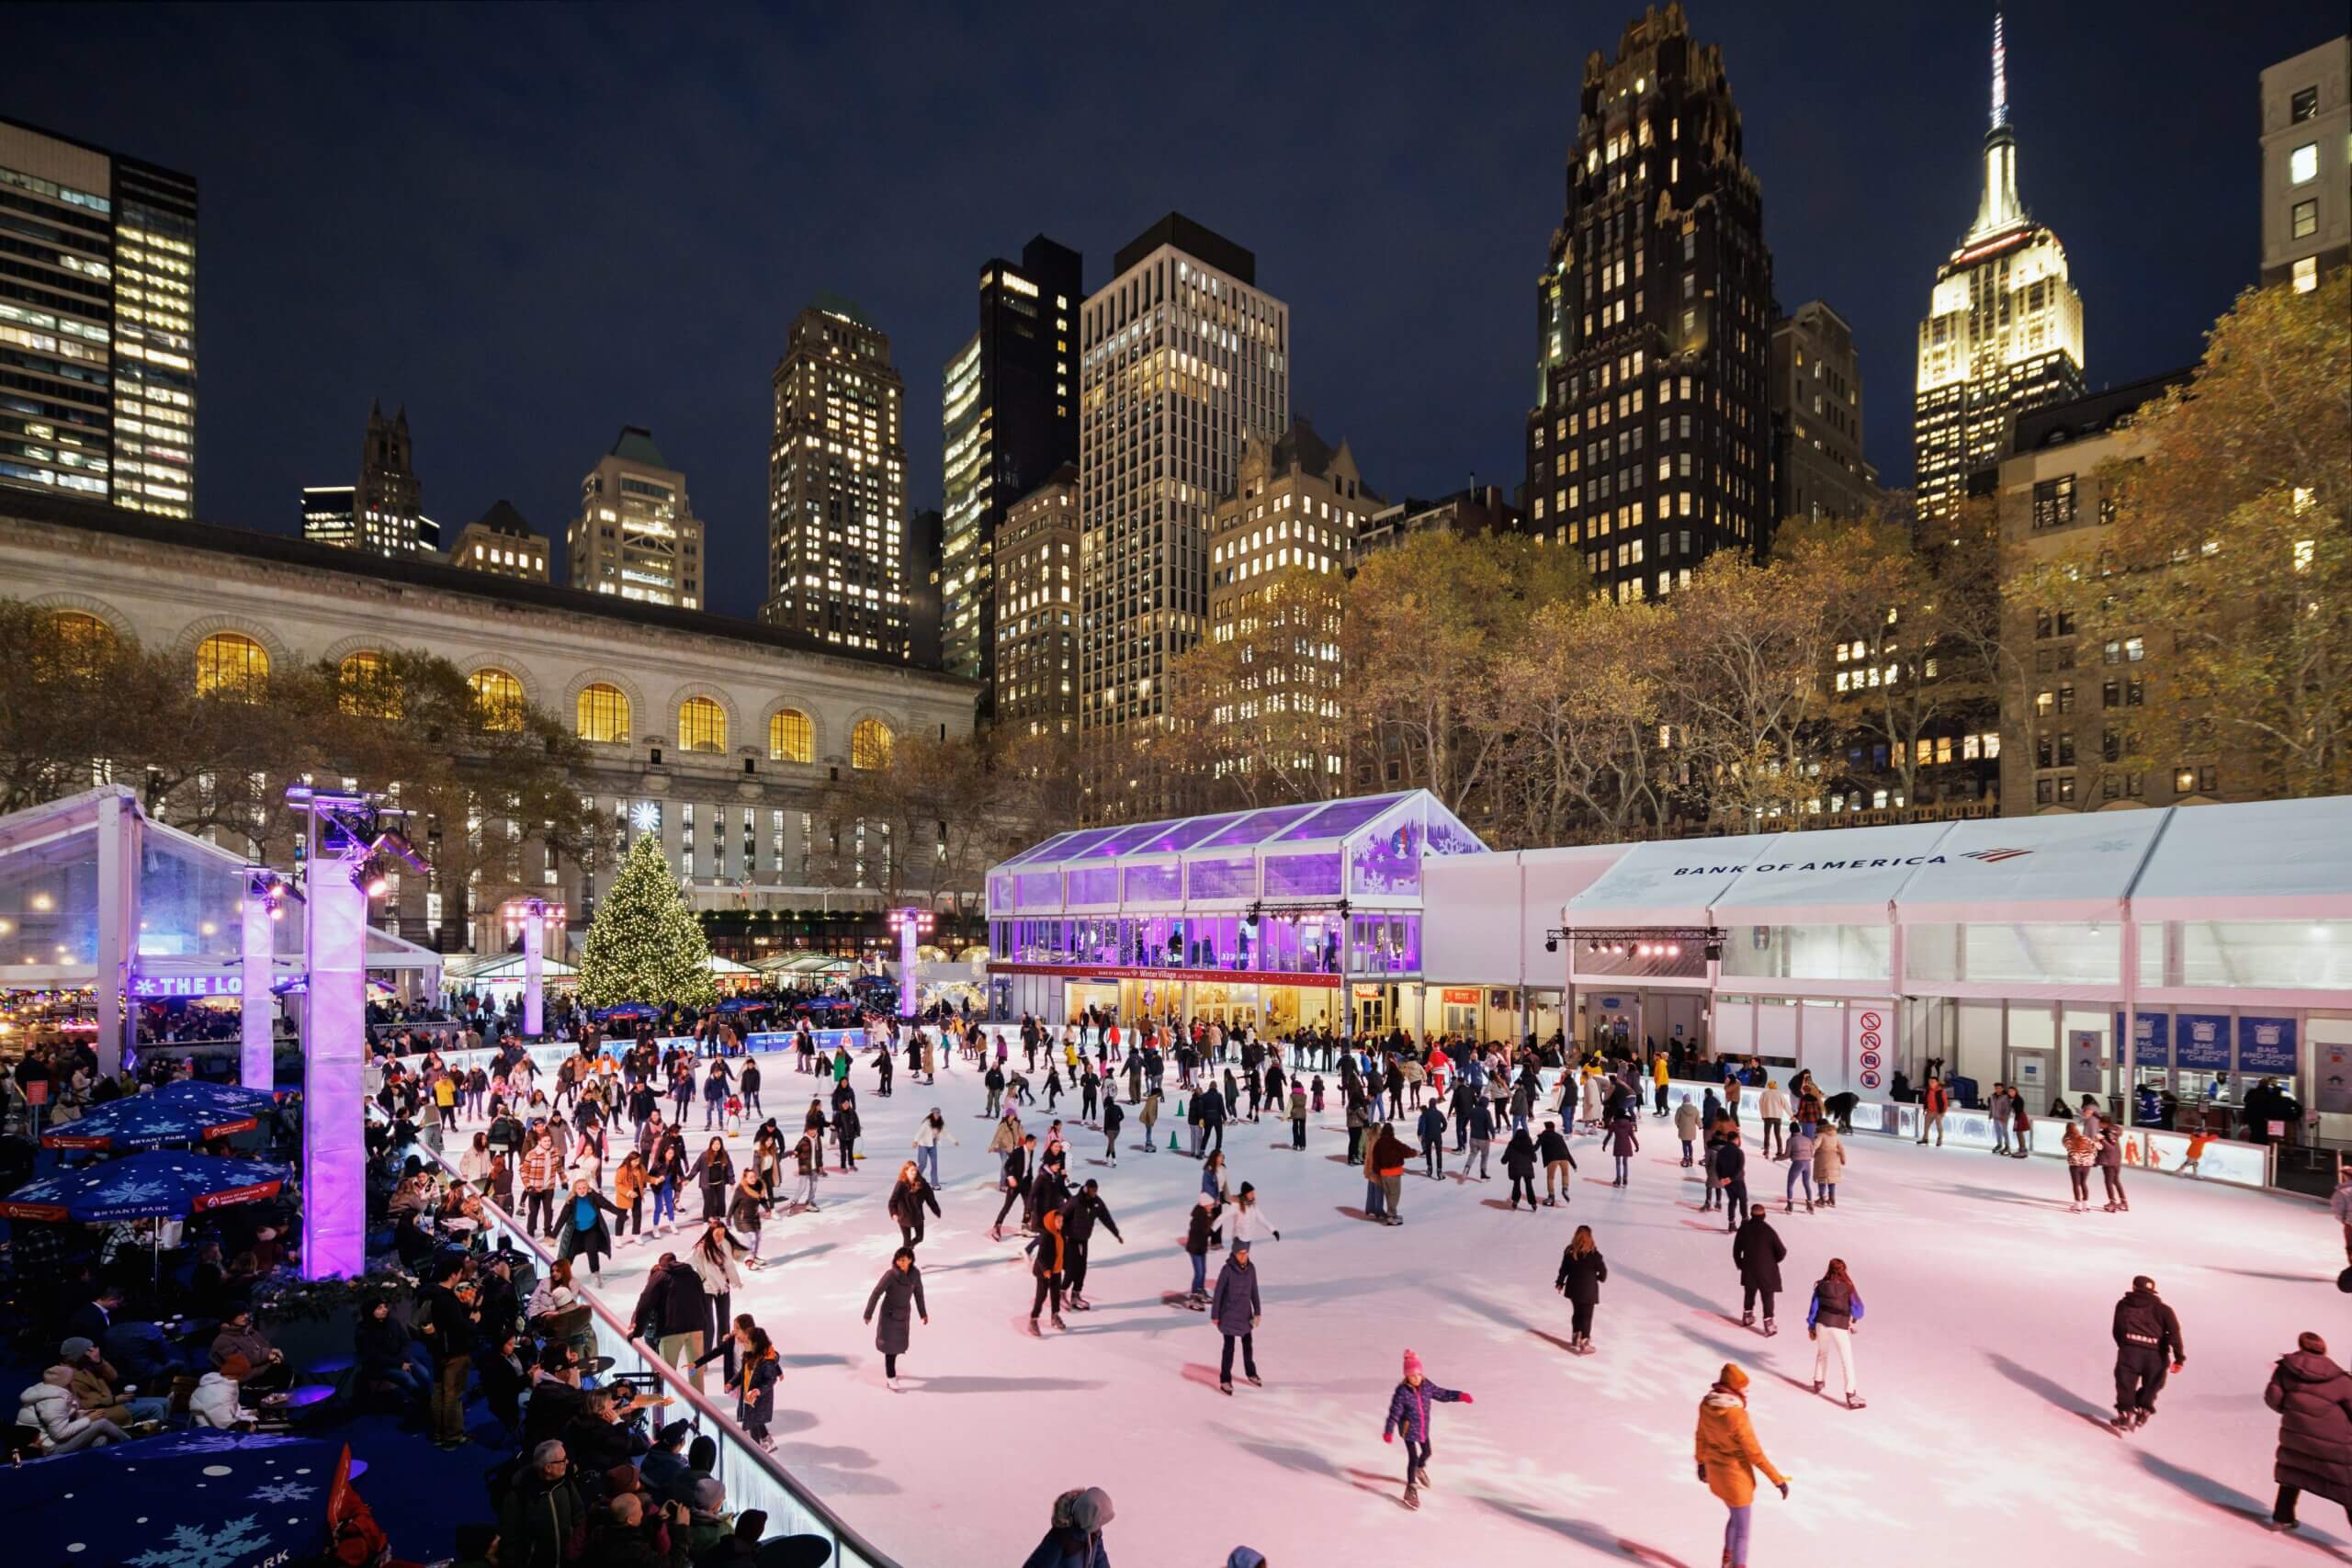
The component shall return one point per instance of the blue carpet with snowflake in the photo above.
(198, 1499)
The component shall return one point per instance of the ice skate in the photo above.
(1032, 1330)
(1771, 1328)
(1550, 1202)
(1079, 1303)
(2107, 1209)
(1412, 1497)
(1748, 1320)
(2122, 1422)
(1226, 1389)
(1421, 1475)
(1816, 1385)
(1856, 1402)
(1254, 1379)
(893, 1381)
(1059, 1325)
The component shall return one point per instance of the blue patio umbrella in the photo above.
(160, 1184)
(224, 1096)
(629, 1009)
(147, 1121)
(742, 1004)
(220, 1499)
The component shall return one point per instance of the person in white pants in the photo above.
(1830, 1322)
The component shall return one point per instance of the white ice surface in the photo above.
(1986, 1359)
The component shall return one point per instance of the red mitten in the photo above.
(1387, 1437)
(1468, 1400)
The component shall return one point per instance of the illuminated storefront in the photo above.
(1294, 916)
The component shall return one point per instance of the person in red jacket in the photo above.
(1934, 1101)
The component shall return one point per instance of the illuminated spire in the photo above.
(2000, 75)
(2000, 208)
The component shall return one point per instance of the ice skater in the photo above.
(900, 1295)
(2082, 1151)
(2313, 1398)
(1625, 1139)
(1519, 1163)
(1552, 1148)
(1582, 1272)
(1729, 1165)
(1831, 1322)
(1235, 1307)
(1803, 1139)
(909, 1196)
(2110, 1160)
(1409, 1412)
(1729, 1456)
(1046, 1265)
(2147, 1338)
(1196, 1247)
(1828, 1163)
(1757, 1250)
(1686, 1127)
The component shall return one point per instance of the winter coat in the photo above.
(1836, 1304)
(672, 1302)
(717, 1279)
(1773, 1105)
(1047, 1252)
(628, 1185)
(1725, 1443)
(1758, 1250)
(1829, 1156)
(1519, 1156)
(1430, 1125)
(1552, 1148)
(1686, 1121)
(1623, 1139)
(1196, 1234)
(1408, 1409)
(1482, 1122)
(1803, 1137)
(908, 1203)
(2143, 1318)
(1729, 1162)
(49, 1407)
(214, 1401)
(1580, 1277)
(1234, 1306)
(1389, 1156)
(2313, 1398)
(755, 1381)
(1112, 1116)
(538, 1517)
(570, 1240)
(900, 1296)
(248, 1342)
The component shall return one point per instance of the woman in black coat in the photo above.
(716, 1174)
(1582, 1269)
(908, 1200)
(1519, 1163)
(2313, 1398)
(899, 1290)
(574, 1238)
(1755, 1248)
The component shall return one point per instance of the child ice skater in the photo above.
(1409, 1412)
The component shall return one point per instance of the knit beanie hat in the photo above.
(1412, 1364)
(1732, 1377)
(73, 1349)
(711, 1494)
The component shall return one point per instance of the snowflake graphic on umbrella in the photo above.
(192, 1546)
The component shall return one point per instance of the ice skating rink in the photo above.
(1985, 1357)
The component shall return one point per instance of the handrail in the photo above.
(752, 1476)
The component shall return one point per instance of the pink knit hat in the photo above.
(1412, 1364)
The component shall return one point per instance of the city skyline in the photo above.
(444, 283)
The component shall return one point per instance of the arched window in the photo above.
(79, 641)
(603, 714)
(869, 744)
(231, 664)
(498, 699)
(791, 738)
(366, 686)
(702, 726)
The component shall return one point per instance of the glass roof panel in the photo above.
(1126, 838)
(1075, 845)
(1259, 827)
(1187, 833)
(1033, 850)
(1340, 819)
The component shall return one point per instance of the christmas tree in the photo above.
(644, 945)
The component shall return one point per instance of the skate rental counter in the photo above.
(1307, 915)
(2194, 951)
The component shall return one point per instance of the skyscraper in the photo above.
(99, 321)
(637, 534)
(1037, 609)
(1648, 447)
(1183, 359)
(383, 515)
(2004, 330)
(837, 483)
(1011, 418)
(1818, 470)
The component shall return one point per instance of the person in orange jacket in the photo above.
(1934, 1101)
(1729, 1456)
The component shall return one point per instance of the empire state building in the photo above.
(2004, 331)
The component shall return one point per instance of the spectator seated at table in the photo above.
(95, 1315)
(268, 1372)
(142, 1352)
(388, 1356)
(59, 1424)
(102, 1390)
(218, 1401)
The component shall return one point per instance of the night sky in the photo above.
(534, 224)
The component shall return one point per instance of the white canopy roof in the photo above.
(1844, 876)
(1671, 882)
(2271, 860)
(2069, 866)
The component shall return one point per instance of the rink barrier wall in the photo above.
(2150, 1149)
(753, 1478)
